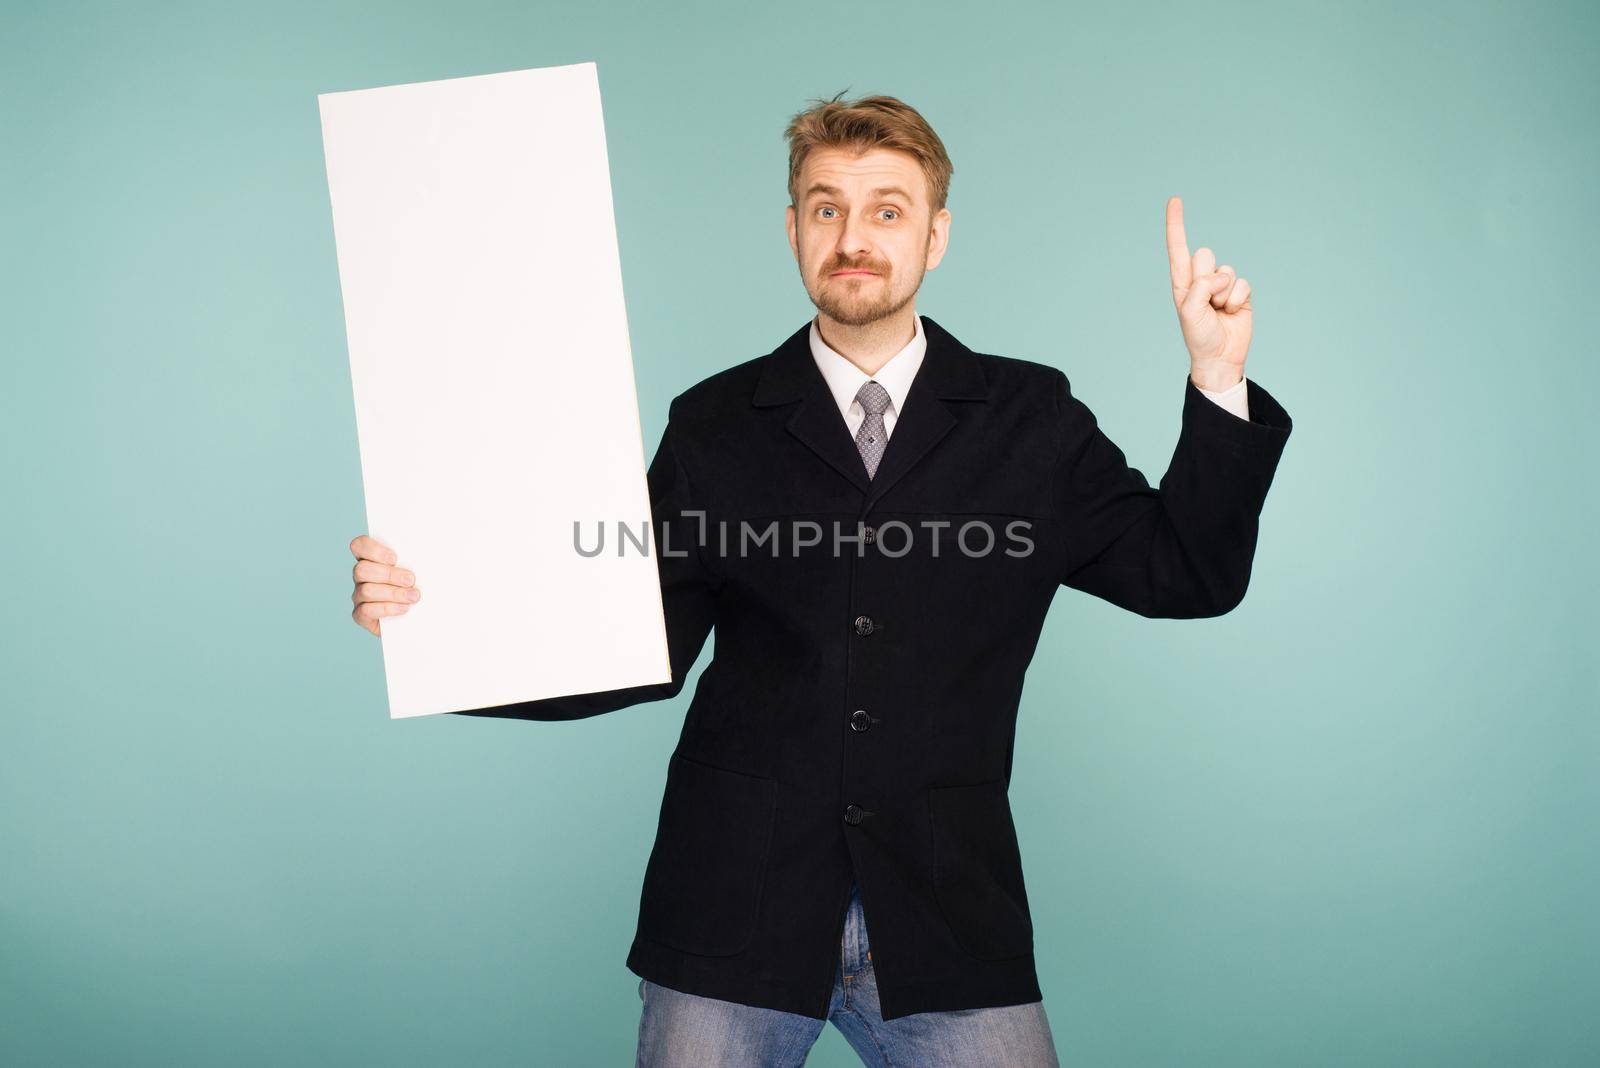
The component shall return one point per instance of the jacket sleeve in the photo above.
(688, 598)
(1184, 550)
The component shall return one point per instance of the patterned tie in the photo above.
(872, 436)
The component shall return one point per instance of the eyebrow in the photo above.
(882, 191)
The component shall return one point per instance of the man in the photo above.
(875, 519)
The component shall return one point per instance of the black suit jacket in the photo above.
(856, 720)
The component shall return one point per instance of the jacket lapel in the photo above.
(949, 371)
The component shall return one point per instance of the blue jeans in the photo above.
(678, 1030)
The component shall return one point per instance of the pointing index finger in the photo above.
(1178, 246)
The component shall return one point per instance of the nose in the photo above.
(853, 238)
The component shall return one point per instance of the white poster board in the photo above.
(493, 380)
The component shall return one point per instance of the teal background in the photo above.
(1351, 823)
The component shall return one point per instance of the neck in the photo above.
(871, 345)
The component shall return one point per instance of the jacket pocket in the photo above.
(702, 885)
(977, 870)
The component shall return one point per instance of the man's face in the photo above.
(863, 235)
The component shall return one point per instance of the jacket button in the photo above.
(852, 815)
(863, 624)
(860, 720)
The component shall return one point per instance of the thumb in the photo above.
(1202, 290)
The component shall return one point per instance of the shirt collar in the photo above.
(845, 378)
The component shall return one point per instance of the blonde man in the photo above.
(874, 519)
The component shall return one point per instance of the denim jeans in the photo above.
(678, 1030)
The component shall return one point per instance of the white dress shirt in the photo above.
(845, 380)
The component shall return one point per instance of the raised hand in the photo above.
(1213, 308)
(381, 588)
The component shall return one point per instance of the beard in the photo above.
(864, 300)
(858, 303)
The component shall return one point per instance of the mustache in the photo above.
(876, 268)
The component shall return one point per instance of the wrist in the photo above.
(1215, 378)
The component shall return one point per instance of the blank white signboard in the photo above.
(494, 390)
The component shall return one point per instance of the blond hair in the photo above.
(866, 123)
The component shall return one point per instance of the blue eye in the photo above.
(891, 210)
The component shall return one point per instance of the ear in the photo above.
(789, 225)
(939, 238)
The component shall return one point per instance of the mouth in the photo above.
(854, 274)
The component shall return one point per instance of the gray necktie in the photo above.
(872, 437)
